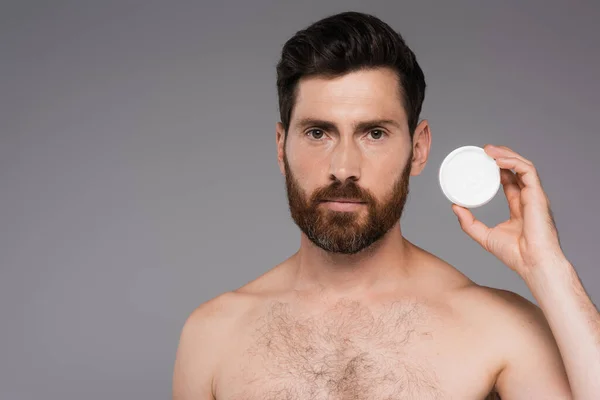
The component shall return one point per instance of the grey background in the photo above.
(138, 173)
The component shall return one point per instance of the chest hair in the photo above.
(349, 351)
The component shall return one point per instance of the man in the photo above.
(359, 312)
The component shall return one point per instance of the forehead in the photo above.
(356, 95)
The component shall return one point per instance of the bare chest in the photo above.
(348, 352)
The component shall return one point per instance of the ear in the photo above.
(280, 138)
(421, 147)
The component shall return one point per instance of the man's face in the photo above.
(348, 141)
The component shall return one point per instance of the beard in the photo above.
(345, 232)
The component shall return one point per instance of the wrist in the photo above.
(549, 276)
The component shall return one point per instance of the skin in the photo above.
(393, 320)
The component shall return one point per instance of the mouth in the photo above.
(343, 205)
(343, 201)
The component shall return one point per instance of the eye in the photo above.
(377, 134)
(315, 133)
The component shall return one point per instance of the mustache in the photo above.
(346, 190)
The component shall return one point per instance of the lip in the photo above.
(343, 205)
(354, 201)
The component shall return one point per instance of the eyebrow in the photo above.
(360, 126)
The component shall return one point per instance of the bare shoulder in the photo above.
(203, 339)
(501, 314)
(516, 330)
(215, 319)
(221, 313)
(500, 309)
(214, 312)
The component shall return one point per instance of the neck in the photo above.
(381, 265)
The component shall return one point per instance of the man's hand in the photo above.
(529, 237)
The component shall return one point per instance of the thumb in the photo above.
(476, 229)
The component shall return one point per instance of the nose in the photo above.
(345, 161)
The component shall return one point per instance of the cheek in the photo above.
(303, 176)
(382, 179)
(385, 164)
(308, 178)
(310, 169)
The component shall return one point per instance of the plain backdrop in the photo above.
(138, 173)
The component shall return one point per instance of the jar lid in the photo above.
(469, 177)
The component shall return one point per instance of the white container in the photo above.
(469, 177)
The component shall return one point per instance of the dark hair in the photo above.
(344, 43)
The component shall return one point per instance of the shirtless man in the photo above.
(359, 312)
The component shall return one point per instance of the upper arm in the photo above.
(533, 365)
(197, 355)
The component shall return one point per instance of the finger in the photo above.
(512, 191)
(525, 172)
(508, 177)
(503, 151)
(499, 153)
(476, 229)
